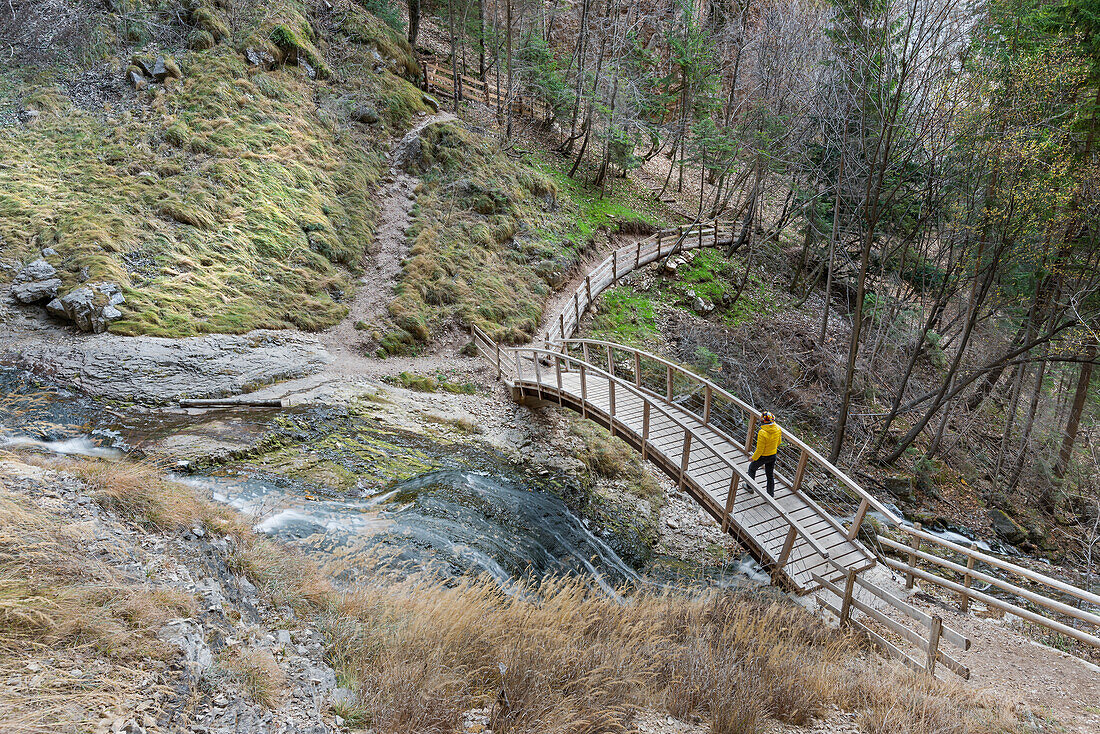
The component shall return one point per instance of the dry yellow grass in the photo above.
(553, 656)
(558, 657)
(259, 675)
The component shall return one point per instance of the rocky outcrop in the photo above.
(161, 370)
(36, 282)
(90, 308)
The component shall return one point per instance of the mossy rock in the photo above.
(298, 50)
(205, 19)
(200, 40)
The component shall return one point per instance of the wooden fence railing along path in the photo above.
(701, 436)
(442, 80)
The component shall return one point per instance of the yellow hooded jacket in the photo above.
(767, 441)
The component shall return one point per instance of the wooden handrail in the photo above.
(992, 601)
(1037, 599)
(1070, 589)
(590, 368)
(787, 435)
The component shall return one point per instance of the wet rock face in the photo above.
(161, 370)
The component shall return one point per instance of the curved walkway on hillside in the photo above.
(686, 425)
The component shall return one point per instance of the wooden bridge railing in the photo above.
(1053, 604)
(631, 257)
(1045, 601)
(803, 468)
(442, 80)
(533, 370)
(927, 638)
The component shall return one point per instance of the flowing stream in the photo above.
(409, 504)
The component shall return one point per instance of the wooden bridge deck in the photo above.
(708, 478)
(641, 399)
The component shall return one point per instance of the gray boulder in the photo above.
(36, 282)
(702, 306)
(431, 101)
(91, 308)
(35, 291)
(1007, 528)
(37, 270)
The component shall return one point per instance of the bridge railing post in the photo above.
(645, 429)
(557, 374)
(611, 406)
(731, 497)
(964, 601)
(685, 458)
(857, 521)
(637, 370)
(796, 485)
(584, 392)
(785, 554)
(912, 558)
(748, 434)
(846, 600)
(934, 632)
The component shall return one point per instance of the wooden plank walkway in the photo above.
(640, 397)
(703, 472)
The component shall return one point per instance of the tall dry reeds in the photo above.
(556, 656)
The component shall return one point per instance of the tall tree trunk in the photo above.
(1084, 377)
(414, 22)
(508, 34)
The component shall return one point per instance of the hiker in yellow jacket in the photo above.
(767, 444)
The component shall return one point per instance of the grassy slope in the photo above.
(493, 234)
(232, 199)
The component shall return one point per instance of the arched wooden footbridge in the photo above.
(697, 433)
(807, 536)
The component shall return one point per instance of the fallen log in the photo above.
(230, 403)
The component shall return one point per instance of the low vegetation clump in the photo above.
(235, 197)
(606, 456)
(428, 383)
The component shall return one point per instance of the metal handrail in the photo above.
(535, 351)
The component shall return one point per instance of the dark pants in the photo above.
(768, 462)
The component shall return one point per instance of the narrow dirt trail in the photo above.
(375, 290)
